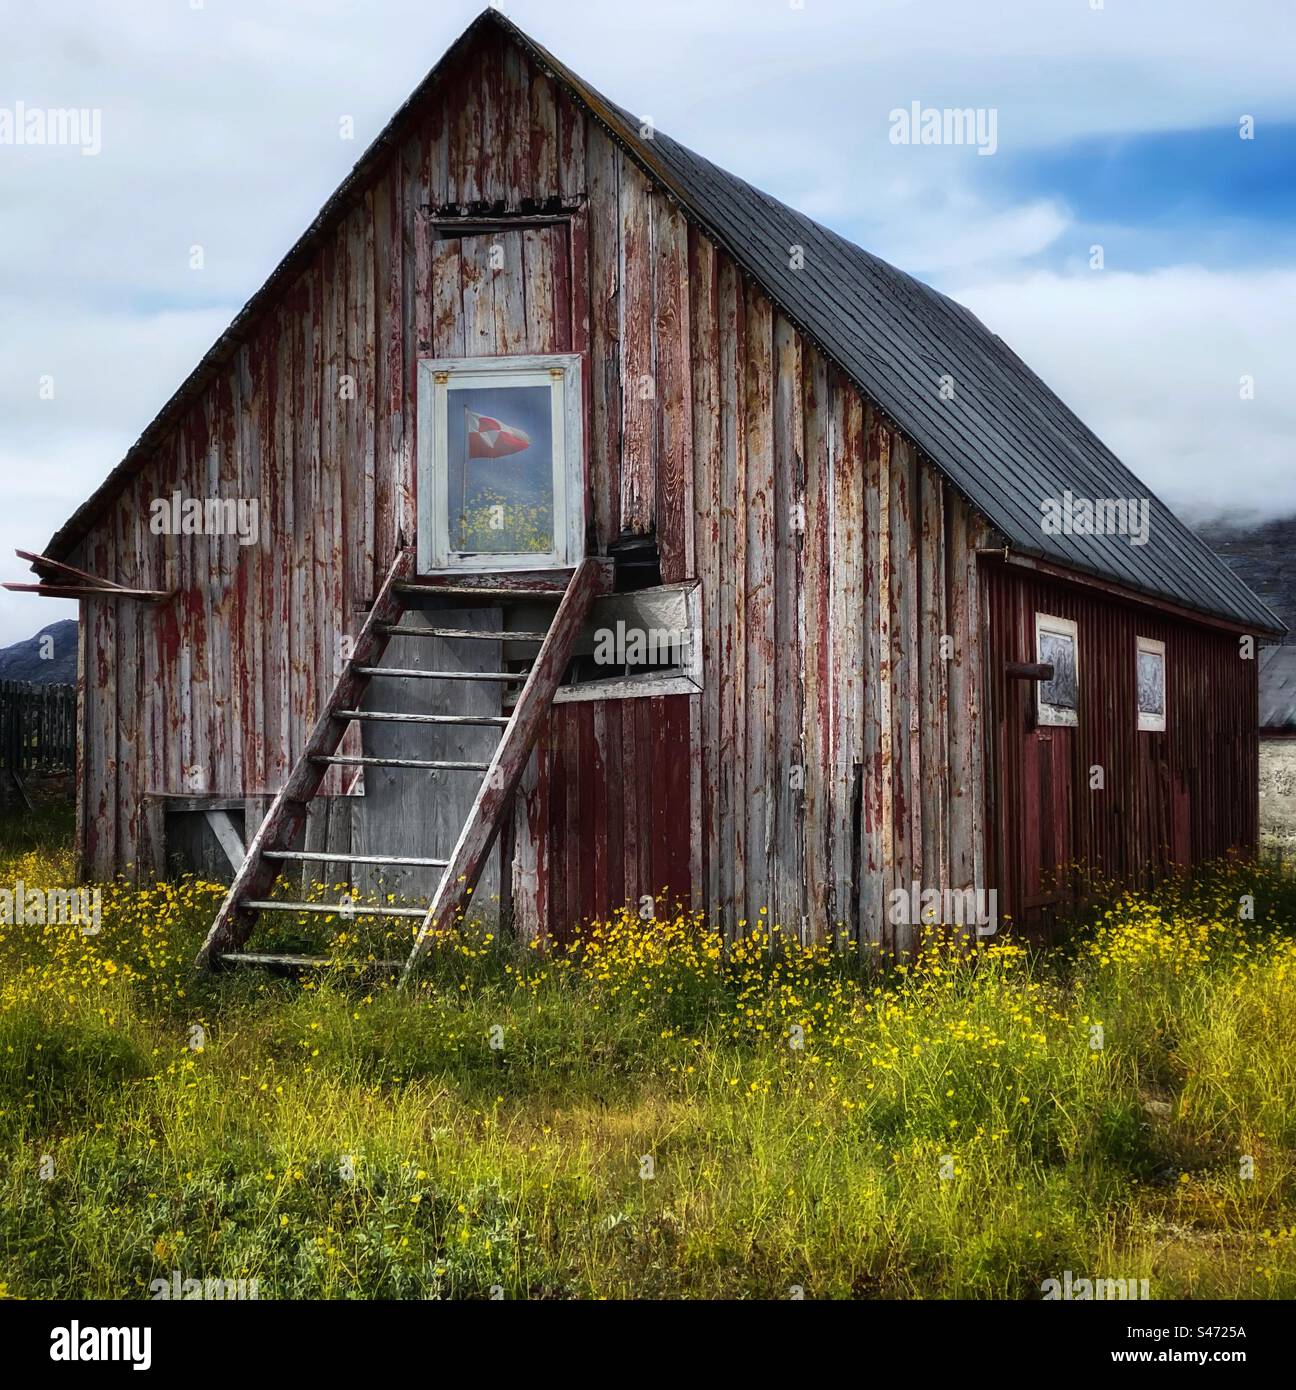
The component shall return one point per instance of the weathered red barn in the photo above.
(537, 374)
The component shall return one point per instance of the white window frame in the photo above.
(1151, 723)
(1056, 715)
(562, 373)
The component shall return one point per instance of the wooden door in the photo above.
(416, 811)
(1046, 801)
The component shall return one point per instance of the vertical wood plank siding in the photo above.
(835, 750)
(1168, 798)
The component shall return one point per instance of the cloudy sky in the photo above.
(1117, 125)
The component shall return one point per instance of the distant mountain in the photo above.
(1263, 556)
(24, 661)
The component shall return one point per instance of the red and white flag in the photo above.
(492, 439)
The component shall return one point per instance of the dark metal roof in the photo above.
(1004, 440)
(1278, 688)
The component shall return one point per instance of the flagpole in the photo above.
(463, 482)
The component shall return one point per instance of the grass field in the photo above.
(648, 1115)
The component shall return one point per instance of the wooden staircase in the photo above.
(274, 845)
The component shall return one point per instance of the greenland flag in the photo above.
(492, 439)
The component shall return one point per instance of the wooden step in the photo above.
(272, 959)
(347, 910)
(432, 764)
(468, 634)
(524, 582)
(491, 591)
(390, 717)
(505, 677)
(345, 857)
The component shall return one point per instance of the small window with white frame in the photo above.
(1057, 644)
(1151, 680)
(501, 472)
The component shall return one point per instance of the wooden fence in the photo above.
(38, 727)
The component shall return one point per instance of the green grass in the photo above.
(654, 1124)
(49, 829)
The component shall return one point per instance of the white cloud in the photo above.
(970, 234)
(111, 374)
(1153, 364)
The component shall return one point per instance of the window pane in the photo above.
(1058, 650)
(501, 475)
(1151, 682)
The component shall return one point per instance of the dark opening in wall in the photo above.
(638, 563)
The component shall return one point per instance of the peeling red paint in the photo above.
(1170, 798)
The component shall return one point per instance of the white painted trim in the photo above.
(1151, 723)
(568, 437)
(693, 602)
(628, 688)
(1055, 715)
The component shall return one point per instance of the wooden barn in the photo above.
(568, 518)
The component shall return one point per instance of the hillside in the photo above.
(24, 661)
(1261, 556)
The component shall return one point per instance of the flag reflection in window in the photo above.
(501, 469)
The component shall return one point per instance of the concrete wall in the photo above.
(1278, 794)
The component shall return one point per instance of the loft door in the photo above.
(500, 437)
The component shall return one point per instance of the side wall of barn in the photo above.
(1157, 798)
(835, 750)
